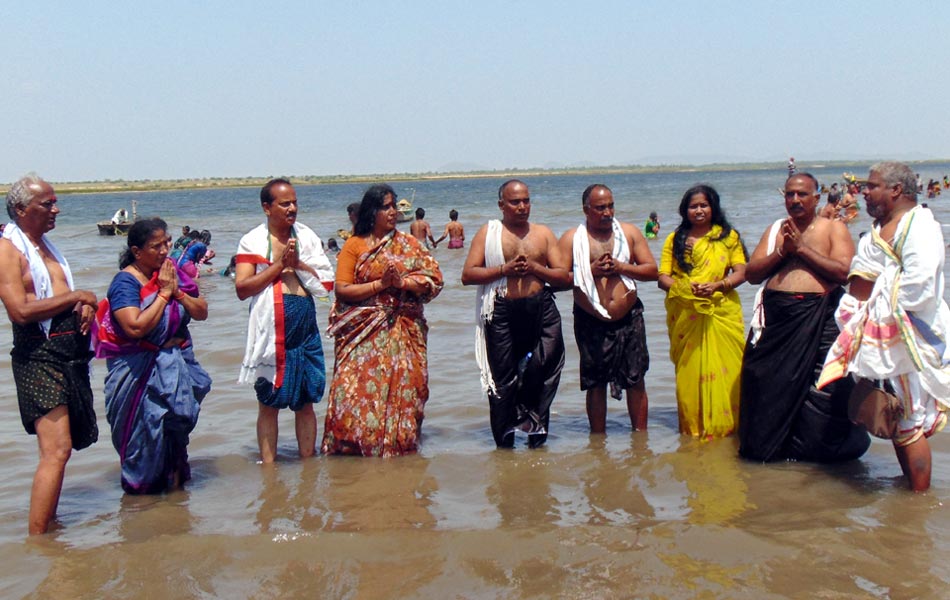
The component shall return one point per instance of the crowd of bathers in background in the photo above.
(192, 251)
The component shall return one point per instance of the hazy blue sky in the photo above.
(201, 89)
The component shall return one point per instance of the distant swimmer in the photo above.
(652, 227)
(454, 231)
(830, 210)
(421, 230)
(848, 207)
(606, 256)
(518, 345)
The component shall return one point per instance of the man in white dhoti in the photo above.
(894, 321)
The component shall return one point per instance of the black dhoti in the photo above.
(781, 413)
(526, 354)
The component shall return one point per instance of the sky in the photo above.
(185, 89)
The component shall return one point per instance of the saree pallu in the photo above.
(153, 394)
(706, 337)
(381, 379)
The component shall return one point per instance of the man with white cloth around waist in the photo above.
(606, 256)
(894, 321)
(281, 266)
(519, 348)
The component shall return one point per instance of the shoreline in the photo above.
(160, 185)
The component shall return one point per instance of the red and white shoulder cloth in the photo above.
(264, 354)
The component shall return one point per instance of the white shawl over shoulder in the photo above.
(261, 353)
(485, 301)
(758, 309)
(42, 285)
(584, 278)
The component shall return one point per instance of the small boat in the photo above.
(110, 228)
(404, 207)
(119, 224)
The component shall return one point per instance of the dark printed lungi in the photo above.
(305, 372)
(613, 352)
(526, 355)
(53, 371)
(782, 415)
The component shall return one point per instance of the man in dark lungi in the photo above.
(280, 265)
(606, 256)
(801, 262)
(50, 356)
(519, 347)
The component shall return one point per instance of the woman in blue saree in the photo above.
(154, 386)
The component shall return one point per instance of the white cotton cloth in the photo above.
(907, 292)
(584, 278)
(485, 301)
(42, 286)
(260, 354)
(757, 325)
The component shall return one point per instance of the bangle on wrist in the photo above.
(778, 250)
(179, 294)
(167, 298)
(501, 270)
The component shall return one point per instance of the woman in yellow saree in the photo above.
(702, 263)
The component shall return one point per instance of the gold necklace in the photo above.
(139, 269)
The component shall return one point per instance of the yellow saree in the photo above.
(706, 336)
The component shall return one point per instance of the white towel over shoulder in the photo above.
(42, 286)
(584, 278)
(758, 310)
(485, 301)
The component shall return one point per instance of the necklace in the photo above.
(139, 269)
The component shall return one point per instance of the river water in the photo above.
(649, 514)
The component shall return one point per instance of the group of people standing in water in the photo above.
(784, 388)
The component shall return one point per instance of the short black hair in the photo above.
(585, 197)
(266, 197)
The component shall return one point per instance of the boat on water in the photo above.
(404, 211)
(119, 224)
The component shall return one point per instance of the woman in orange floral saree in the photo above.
(381, 380)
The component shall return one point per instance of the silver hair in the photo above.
(896, 173)
(21, 193)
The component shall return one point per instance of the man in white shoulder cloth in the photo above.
(894, 322)
(606, 256)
